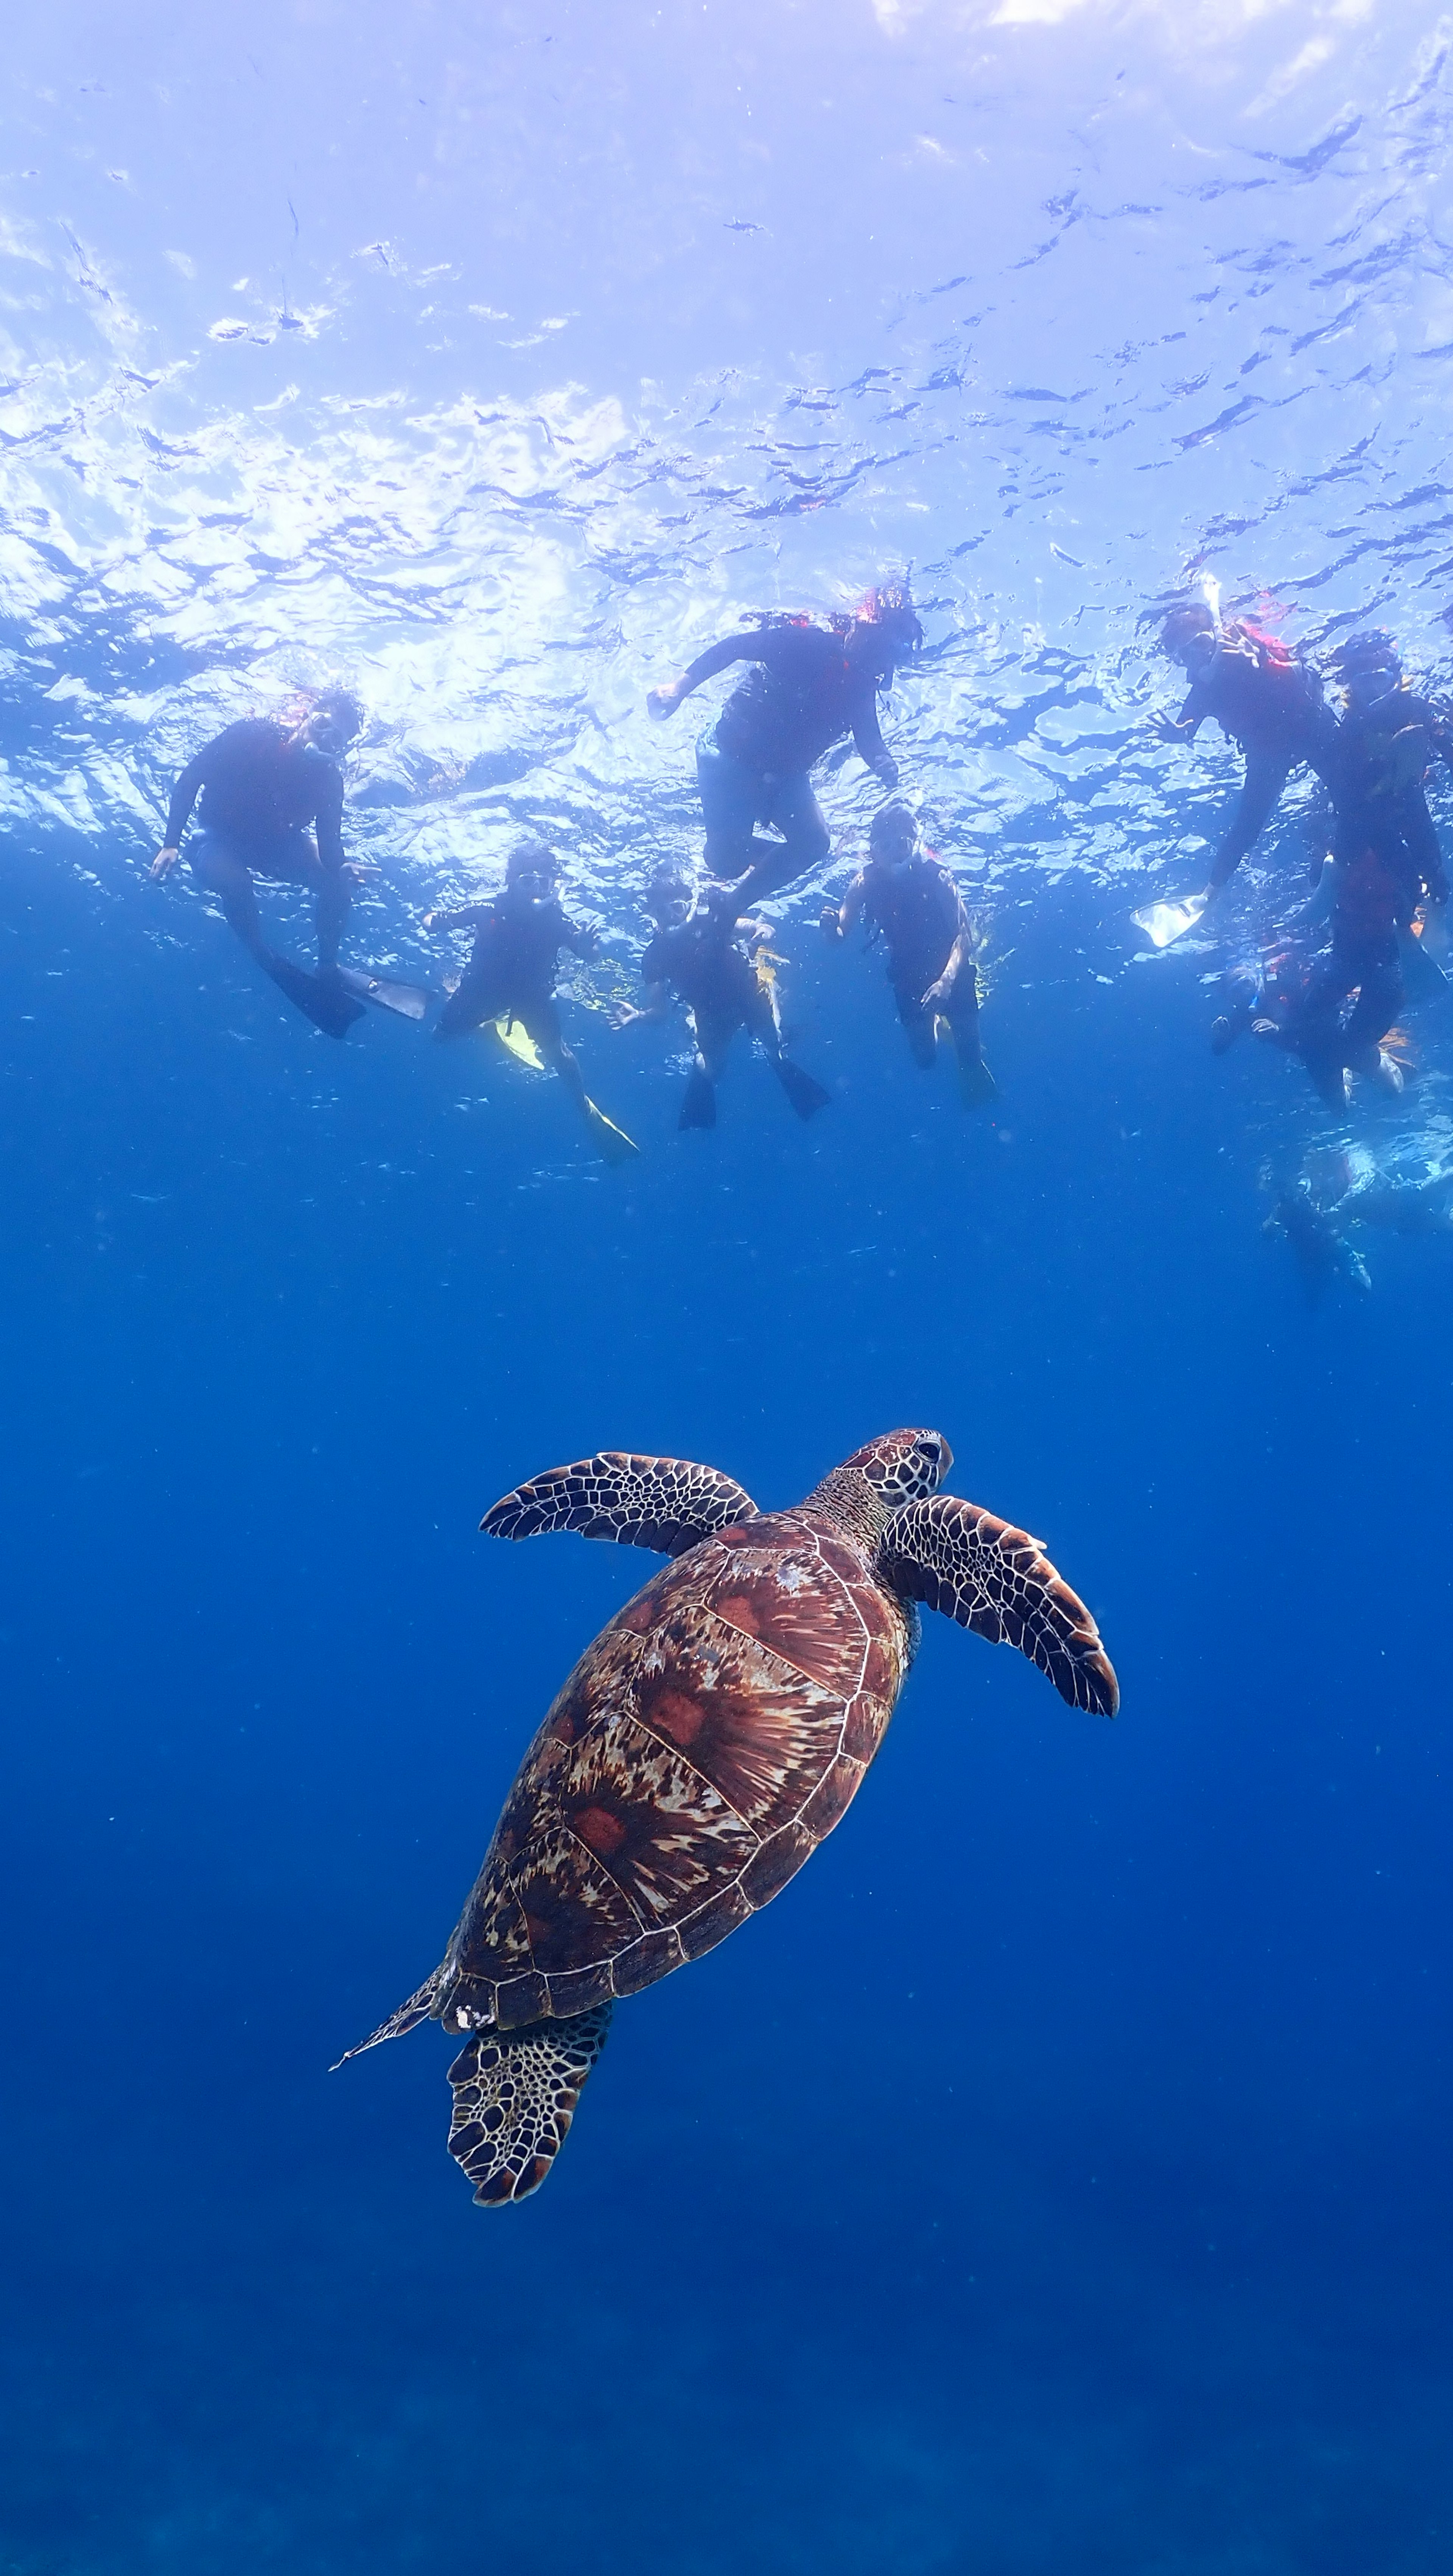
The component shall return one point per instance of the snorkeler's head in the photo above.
(1367, 667)
(885, 630)
(893, 836)
(532, 862)
(668, 899)
(1189, 633)
(332, 720)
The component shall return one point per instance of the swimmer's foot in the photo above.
(321, 998)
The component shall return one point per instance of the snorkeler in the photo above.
(913, 905)
(1380, 706)
(518, 936)
(811, 685)
(697, 957)
(1267, 701)
(1371, 886)
(263, 782)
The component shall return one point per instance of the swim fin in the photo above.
(321, 998)
(977, 1086)
(513, 1035)
(1164, 922)
(806, 1096)
(611, 1142)
(698, 1102)
(410, 1001)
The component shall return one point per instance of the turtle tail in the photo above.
(420, 2007)
(515, 2093)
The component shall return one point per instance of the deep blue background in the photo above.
(1055, 2181)
(1057, 2176)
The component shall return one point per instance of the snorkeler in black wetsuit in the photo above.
(1265, 700)
(1380, 870)
(262, 783)
(698, 957)
(914, 906)
(811, 686)
(518, 936)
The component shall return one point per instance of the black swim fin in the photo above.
(698, 1104)
(977, 1086)
(409, 1001)
(806, 1096)
(321, 998)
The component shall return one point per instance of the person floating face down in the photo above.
(263, 783)
(913, 905)
(809, 687)
(1381, 868)
(699, 959)
(1266, 700)
(518, 936)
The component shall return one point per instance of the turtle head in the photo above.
(867, 1489)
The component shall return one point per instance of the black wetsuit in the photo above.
(260, 790)
(918, 913)
(1364, 743)
(1270, 705)
(804, 693)
(712, 974)
(512, 968)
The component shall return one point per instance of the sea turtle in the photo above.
(702, 1747)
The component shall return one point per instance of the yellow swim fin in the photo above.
(611, 1142)
(516, 1037)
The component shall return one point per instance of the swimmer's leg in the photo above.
(221, 868)
(920, 1027)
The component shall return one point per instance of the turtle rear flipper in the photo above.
(995, 1579)
(662, 1503)
(420, 2007)
(515, 2093)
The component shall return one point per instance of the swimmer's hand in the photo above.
(663, 702)
(359, 871)
(832, 922)
(934, 999)
(887, 770)
(1168, 728)
(163, 864)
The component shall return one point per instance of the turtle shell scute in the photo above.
(711, 1735)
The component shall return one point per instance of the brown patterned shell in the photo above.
(698, 1753)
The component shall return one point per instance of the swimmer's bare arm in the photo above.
(959, 955)
(872, 749)
(657, 1006)
(457, 916)
(1185, 726)
(839, 919)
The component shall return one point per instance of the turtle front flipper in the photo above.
(515, 2093)
(994, 1579)
(663, 1503)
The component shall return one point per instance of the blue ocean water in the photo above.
(1055, 2179)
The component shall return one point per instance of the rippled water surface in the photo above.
(1056, 2181)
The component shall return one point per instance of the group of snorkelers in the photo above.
(1328, 992)
(272, 806)
(1332, 982)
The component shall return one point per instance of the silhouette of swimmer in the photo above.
(698, 957)
(1265, 700)
(262, 783)
(913, 905)
(1382, 866)
(810, 685)
(511, 974)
